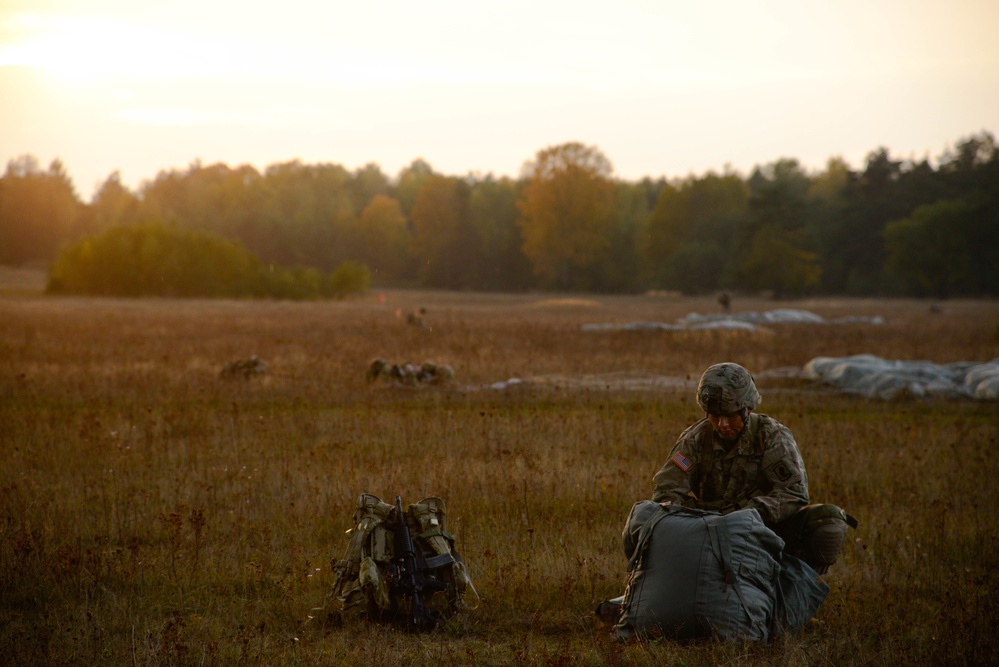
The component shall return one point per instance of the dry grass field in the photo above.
(154, 514)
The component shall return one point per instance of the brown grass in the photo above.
(152, 514)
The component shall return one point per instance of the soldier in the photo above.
(725, 301)
(243, 369)
(736, 458)
(417, 318)
(410, 374)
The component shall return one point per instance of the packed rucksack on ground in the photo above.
(401, 566)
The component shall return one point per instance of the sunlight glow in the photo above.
(661, 87)
(179, 117)
(85, 50)
(82, 50)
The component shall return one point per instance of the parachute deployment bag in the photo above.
(697, 574)
(371, 577)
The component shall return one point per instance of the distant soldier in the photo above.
(432, 373)
(416, 318)
(725, 299)
(410, 374)
(376, 369)
(735, 458)
(243, 369)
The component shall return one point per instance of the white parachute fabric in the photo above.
(874, 377)
(747, 321)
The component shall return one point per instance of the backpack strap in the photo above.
(643, 536)
(704, 465)
(721, 543)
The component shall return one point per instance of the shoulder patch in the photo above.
(682, 462)
(780, 471)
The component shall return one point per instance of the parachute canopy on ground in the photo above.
(874, 377)
(865, 375)
(748, 321)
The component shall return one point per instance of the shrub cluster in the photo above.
(156, 260)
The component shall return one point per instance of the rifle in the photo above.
(410, 580)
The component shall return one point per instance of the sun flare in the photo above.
(85, 51)
(665, 89)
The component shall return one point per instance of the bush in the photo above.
(349, 278)
(157, 260)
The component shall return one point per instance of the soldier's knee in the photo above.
(825, 544)
(823, 533)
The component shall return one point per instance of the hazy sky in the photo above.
(661, 87)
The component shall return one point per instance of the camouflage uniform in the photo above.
(410, 374)
(760, 468)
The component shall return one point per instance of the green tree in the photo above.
(411, 181)
(381, 239)
(314, 205)
(235, 203)
(350, 278)
(854, 259)
(775, 261)
(38, 211)
(623, 269)
(158, 260)
(443, 239)
(778, 194)
(113, 204)
(367, 183)
(694, 268)
(780, 257)
(293, 214)
(826, 201)
(831, 184)
(493, 211)
(947, 248)
(971, 162)
(693, 233)
(566, 211)
(153, 259)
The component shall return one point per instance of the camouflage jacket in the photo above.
(763, 469)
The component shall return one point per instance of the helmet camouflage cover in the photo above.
(726, 388)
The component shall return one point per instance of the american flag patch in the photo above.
(681, 461)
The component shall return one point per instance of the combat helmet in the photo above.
(726, 388)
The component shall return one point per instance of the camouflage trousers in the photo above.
(816, 534)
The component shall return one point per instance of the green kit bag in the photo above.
(401, 566)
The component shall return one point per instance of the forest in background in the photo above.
(893, 228)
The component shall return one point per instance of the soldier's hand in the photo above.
(720, 506)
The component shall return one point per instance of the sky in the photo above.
(663, 88)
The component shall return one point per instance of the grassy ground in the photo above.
(153, 514)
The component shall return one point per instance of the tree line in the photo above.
(893, 228)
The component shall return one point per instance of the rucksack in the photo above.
(401, 566)
(697, 574)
